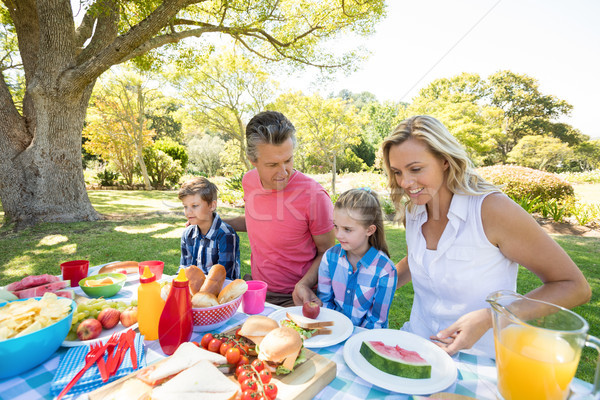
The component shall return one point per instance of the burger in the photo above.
(256, 327)
(281, 350)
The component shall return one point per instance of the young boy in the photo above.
(207, 240)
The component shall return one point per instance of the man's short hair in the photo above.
(202, 186)
(268, 127)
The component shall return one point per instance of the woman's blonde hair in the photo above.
(363, 206)
(461, 176)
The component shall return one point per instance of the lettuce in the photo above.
(304, 333)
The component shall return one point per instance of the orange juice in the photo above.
(534, 364)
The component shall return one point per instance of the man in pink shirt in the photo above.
(288, 216)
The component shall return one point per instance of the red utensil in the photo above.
(100, 361)
(90, 359)
(114, 361)
(131, 345)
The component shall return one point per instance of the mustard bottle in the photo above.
(150, 305)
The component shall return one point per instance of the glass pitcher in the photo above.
(538, 346)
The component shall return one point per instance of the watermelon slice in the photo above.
(40, 290)
(68, 293)
(395, 360)
(31, 281)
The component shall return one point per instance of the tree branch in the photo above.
(119, 49)
(85, 29)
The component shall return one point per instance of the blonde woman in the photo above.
(465, 239)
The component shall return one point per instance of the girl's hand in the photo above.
(303, 294)
(463, 334)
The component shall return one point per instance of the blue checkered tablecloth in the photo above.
(476, 375)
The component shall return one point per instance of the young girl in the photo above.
(356, 276)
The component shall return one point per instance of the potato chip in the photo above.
(20, 318)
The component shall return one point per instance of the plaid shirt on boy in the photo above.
(220, 245)
(365, 295)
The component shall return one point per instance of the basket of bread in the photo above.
(214, 299)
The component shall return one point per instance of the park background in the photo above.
(157, 118)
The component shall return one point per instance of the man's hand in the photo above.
(463, 334)
(303, 294)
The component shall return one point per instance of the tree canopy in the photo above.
(47, 80)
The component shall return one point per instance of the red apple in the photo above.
(310, 309)
(129, 317)
(89, 329)
(109, 317)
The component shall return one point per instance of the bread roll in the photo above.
(196, 278)
(203, 299)
(232, 291)
(214, 281)
(126, 267)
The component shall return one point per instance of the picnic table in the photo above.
(476, 374)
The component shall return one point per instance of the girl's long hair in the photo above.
(363, 206)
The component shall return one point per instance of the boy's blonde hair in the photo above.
(201, 186)
(363, 206)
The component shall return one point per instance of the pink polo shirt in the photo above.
(280, 225)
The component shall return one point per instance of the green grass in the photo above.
(147, 226)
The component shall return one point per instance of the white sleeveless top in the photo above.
(457, 277)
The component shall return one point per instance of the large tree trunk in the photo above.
(44, 182)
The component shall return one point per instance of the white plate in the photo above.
(106, 333)
(443, 368)
(340, 331)
(132, 277)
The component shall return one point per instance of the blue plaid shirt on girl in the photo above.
(364, 295)
(220, 245)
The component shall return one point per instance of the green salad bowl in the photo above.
(104, 290)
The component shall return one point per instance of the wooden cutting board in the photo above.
(307, 379)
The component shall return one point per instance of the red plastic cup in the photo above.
(74, 271)
(156, 267)
(253, 301)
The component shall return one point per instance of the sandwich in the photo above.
(199, 382)
(281, 350)
(307, 327)
(256, 327)
(186, 355)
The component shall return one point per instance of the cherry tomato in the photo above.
(237, 333)
(196, 343)
(206, 340)
(224, 347)
(270, 391)
(263, 397)
(241, 368)
(214, 345)
(249, 384)
(249, 395)
(265, 375)
(245, 375)
(258, 365)
(233, 355)
(243, 360)
(243, 348)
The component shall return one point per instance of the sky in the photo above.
(556, 42)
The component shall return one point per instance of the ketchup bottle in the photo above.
(150, 305)
(175, 324)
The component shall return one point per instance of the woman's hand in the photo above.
(463, 334)
(303, 294)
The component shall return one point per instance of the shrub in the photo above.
(581, 177)
(521, 182)
(173, 149)
(235, 183)
(161, 167)
(107, 177)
